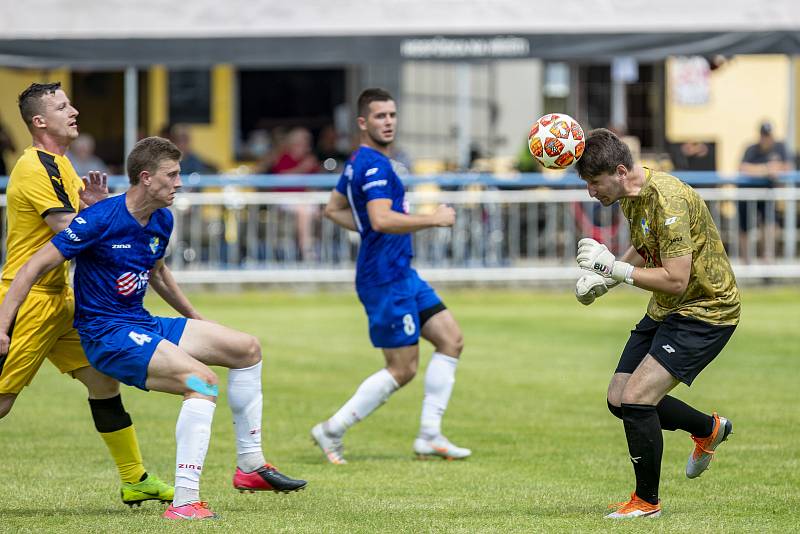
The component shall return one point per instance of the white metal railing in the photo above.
(236, 236)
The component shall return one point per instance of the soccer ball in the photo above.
(556, 141)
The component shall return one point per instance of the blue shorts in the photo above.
(123, 351)
(393, 310)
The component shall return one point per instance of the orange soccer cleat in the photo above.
(704, 448)
(635, 507)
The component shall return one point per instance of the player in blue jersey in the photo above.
(119, 244)
(400, 306)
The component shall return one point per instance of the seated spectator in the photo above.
(693, 156)
(257, 146)
(297, 156)
(763, 162)
(191, 163)
(81, 154)
(327, 150)
(277, 145)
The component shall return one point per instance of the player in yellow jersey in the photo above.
(44, 194)
(677, 254)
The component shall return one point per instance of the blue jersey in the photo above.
(114, 257)
(382, 258)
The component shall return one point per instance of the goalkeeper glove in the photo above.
(596, 257)
(592, 286)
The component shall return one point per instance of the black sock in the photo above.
(645, 445)
(616, 411)
(109, 415)
(675, 414)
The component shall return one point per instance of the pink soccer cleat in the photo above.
(194, 510)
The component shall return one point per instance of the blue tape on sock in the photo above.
(204, 388)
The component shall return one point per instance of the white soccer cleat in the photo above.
(704, 448)
(331, 446)
(439, 447)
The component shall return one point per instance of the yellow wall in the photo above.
(744, 92)
(158, 114)
(212, 142)
(12, 83)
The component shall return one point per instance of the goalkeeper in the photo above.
(677, 254)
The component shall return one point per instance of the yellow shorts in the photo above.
(42, 329)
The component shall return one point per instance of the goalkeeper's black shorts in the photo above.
(682, 345)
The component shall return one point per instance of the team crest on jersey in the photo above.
(645, 227)
(154, 242)
(129, 283)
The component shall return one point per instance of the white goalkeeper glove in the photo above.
(596, 257)
(592, 286)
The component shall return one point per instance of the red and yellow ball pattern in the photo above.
(556, 140)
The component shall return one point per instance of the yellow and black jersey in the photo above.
(668, 219)
(41, 183)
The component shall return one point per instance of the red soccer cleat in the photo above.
(266, 478)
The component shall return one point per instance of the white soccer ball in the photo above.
(556, 140)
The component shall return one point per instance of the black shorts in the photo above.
(682, 345)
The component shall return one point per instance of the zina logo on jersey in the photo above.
(129, 283)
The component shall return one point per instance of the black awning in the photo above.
(339, 50)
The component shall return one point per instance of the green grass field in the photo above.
(529, 401)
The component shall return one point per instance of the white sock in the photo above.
(246, 401)
(372, 392)
(192, 433)
(439, 380)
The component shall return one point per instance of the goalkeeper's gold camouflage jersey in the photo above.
(668, 219)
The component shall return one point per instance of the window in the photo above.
(190, 96)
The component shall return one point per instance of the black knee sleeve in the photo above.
(616, 411)
(109, 415)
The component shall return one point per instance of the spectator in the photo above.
(191, 162)
(277, 146)
(328, 151)
(297, 157)
(763, 162)
(257, 146)
(766, 159)
(693, 156)
(81, 155)
(6, 145)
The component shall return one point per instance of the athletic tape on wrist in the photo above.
(622, 272)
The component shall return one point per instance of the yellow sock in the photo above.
(124, 448)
